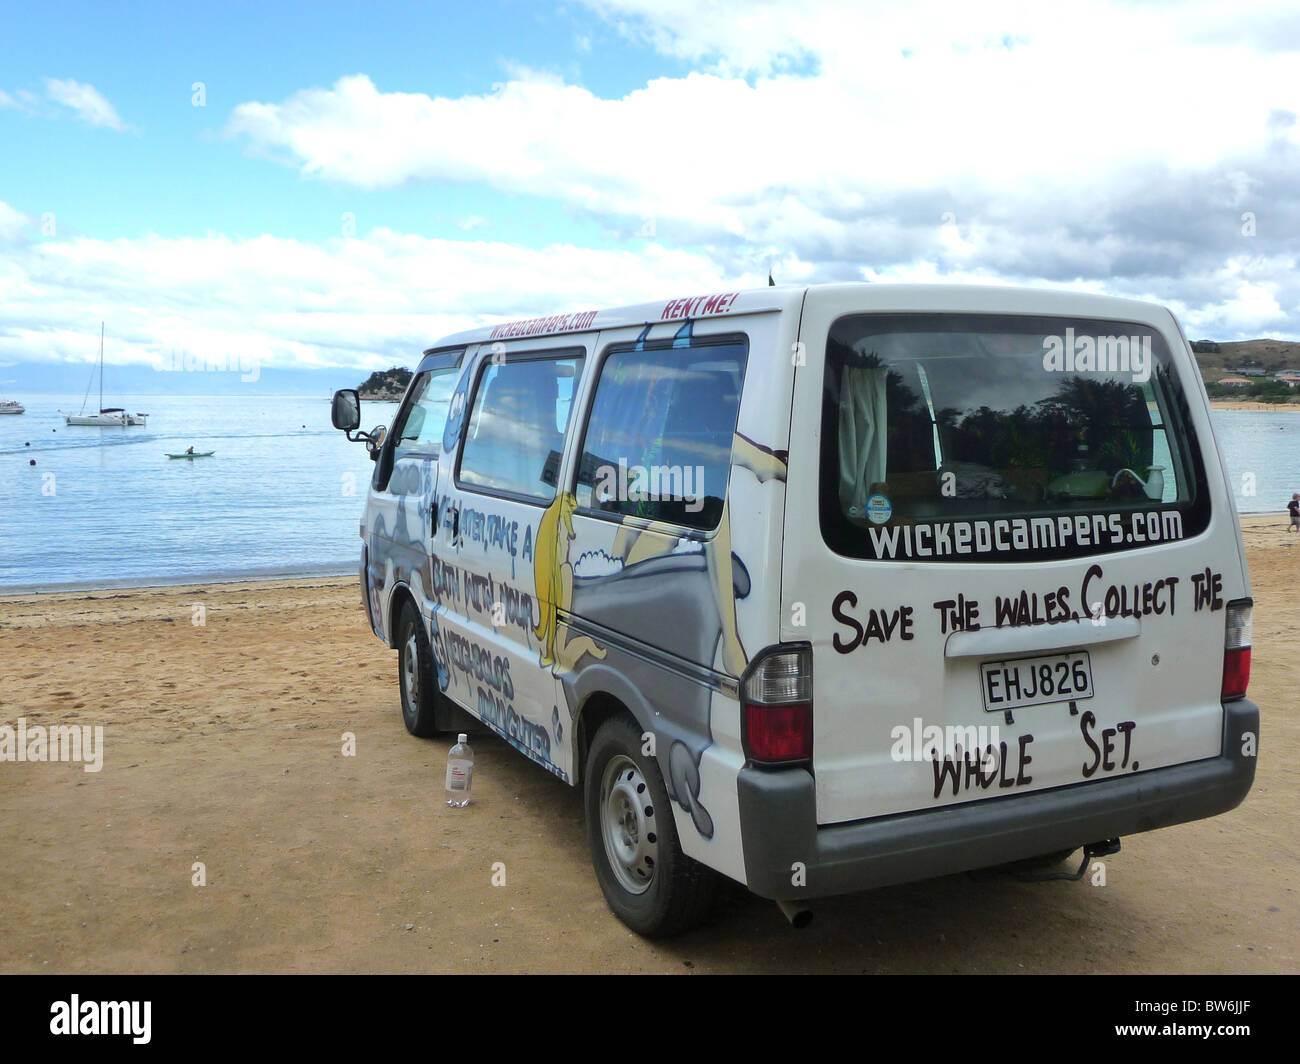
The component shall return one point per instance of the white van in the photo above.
(822, 589)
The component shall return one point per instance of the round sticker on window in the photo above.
(879, 509)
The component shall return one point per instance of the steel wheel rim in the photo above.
(627, 825)
(411, 672)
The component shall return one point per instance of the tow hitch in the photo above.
(1093, 849)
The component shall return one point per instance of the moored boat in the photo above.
(108, 416)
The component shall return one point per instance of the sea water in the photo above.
(284, 492)
(1262, 454)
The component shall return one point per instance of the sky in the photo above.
(333, 185)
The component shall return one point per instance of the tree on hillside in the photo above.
(386, 383)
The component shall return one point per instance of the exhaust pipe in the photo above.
(800, 916)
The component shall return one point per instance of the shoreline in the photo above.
(178, 604)
(1248, 404)
(194, 580)
(330, 576)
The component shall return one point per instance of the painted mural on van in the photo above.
(639, 574)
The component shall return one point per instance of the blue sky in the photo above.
(177, 174)
(364, 178)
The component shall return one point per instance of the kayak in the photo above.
(196, 454)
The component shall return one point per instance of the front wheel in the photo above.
(416, 674)
(647, 881)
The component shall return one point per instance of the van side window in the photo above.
(419, 430)
(658, 441)
(516, 426)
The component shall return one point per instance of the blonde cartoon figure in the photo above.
(553, 580)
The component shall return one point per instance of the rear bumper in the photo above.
(778, 820)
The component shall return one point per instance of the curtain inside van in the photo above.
(864, 417)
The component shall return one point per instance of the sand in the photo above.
(223, 745)
(1248, 404)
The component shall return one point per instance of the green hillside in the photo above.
(385, 384)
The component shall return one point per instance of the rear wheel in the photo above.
(647, 881)
(415, 674)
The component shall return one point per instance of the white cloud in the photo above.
(20, 100)
(1107, 145)
(766, 36)
(12, 223)
(362, 302)
(756, 36)
(854, 131)
(1251, 311)
(378, 300)
(85, 101)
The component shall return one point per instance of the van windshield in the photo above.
(1000, 437)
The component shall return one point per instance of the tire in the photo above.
(415, 674)
(648, 882)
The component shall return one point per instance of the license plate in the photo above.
(1035, 681)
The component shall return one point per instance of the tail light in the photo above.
(1236, 649)
(776, 707)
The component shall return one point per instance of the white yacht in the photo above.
(108, 416)
(11, 406)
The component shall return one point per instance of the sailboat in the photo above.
(108, 415)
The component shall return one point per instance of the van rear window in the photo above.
(1000, 438)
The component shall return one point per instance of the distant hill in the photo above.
(1223, 358)
(387, 384)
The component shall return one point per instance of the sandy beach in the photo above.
(1247, 404)
(224, 748)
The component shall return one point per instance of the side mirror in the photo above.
(375, 441)
(346, 410)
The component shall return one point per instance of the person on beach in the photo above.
(1293, 507)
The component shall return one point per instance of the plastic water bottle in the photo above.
(460, 772)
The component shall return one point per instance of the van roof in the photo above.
(720, 304)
